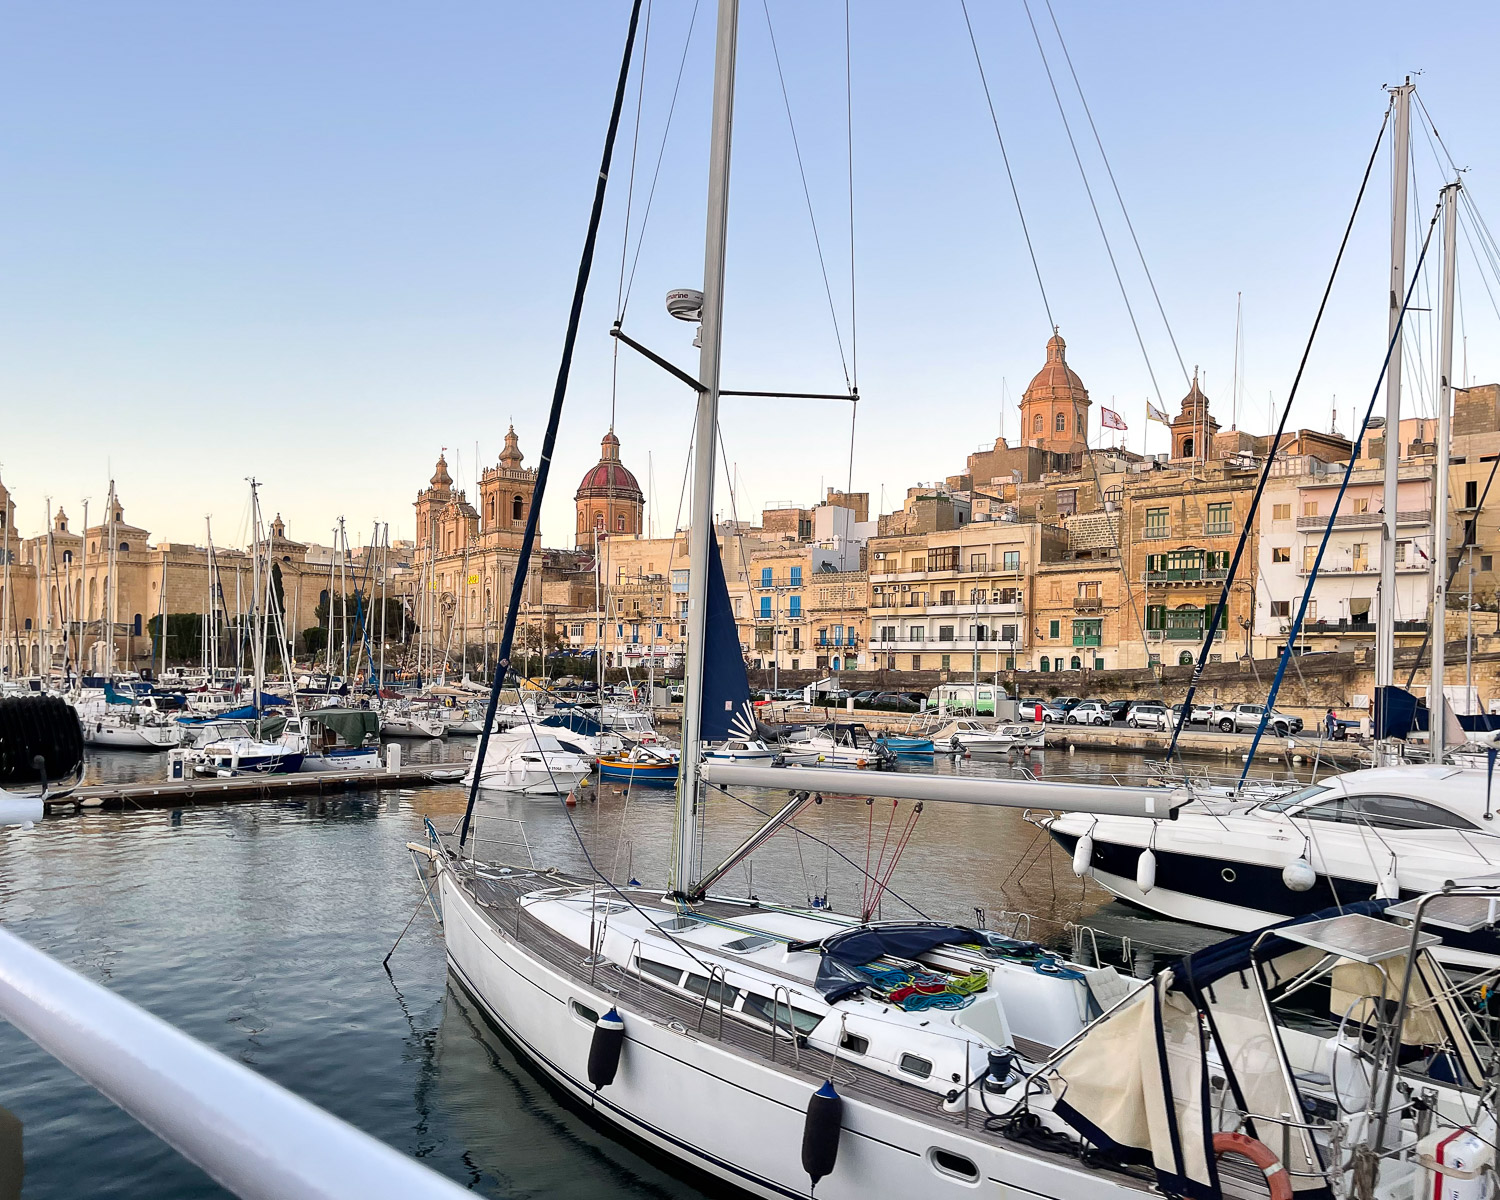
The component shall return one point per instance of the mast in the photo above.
(7, 601)
(701, 514)
(83, 556)
(1385, 626)
(113, 606)
(343, 553)
(1437, 706)
(161, 613)
(385, 545)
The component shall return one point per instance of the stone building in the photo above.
(1055, 405)
(608, 499)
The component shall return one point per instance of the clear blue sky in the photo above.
(317, 242)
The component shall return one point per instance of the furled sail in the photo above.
(726, 711)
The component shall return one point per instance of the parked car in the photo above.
(1089, 712)
(1120, 709)
(899, 701)
(1049, 711)
(1245, 718)
(1066, 703)
(866, 696)
(1148, 714)
(1202, 714)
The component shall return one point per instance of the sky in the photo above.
(314, 244)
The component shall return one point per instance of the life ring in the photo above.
(1277, 1178)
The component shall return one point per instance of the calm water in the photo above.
(260, 929)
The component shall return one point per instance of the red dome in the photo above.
(609, 476)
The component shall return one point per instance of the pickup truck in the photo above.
(1245, 718)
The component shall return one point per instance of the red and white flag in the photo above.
(1109, 419)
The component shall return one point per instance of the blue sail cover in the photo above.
(726, 707)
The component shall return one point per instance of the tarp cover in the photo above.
(353, 725)
(1398, 714)
(843, 952)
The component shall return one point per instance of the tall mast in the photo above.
(1437, 705)
(83, 565)
(1385, 626)
(385, 545)
(343, 553)
(701, 514)
(6, 599)
(114, 600)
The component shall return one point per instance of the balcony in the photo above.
(1366, 520)
(1364, 568)
(1189, 575)
(1088, 604)
(983, 608)
(1090, 639)
(1344, 626)
(948, 645)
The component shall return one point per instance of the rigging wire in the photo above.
(635, 142)
(1098, 220)
(1015, 194)
(1119, 199)
(807, 196)
(1222, 609)
(656, 172)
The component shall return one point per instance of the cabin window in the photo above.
(953, 1164)
(583, 1012)
(680, 924)
(716, 990)
(663, 971)
(778, 1014)
(853, 1043)
(1401, 812)
(914, 1065)
(746, 944)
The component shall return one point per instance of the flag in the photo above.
(1109, 419)
(1155, 414)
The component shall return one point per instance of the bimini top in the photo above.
(845, 952)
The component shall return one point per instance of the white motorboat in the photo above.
(1241, 864)
(739, 749)
(841, 745)
(246, 756)
(975, 737)
(528, 761)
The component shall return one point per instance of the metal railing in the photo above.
(250, 1135)
(1366, 520)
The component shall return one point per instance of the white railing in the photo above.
(250, 1135)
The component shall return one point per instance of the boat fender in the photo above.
(1083, 855)
(1388, 888)
(1261, 1155)
(820, 1132)
(1145, 870)
(1298, 875)
(604, 1050)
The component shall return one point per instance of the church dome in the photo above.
(1056, 380)
(440, 477)
(609, 476)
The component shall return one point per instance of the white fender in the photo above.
(1083, 855)
(1145, 870)
(1298, 875)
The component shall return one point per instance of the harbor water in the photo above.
(259, 928)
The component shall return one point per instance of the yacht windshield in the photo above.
(1283, 803)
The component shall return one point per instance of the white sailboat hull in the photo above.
(109, 736)
(738, 1119)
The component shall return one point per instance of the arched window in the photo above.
(599, 521)
(67, 556)
(1187, 447)
(1062, 422)
(580, 520)
(1185, 659)
(1077, 663)
(135, 625)
(124, 547)
(1046, 663)
(1036, 423)
(517, 505)
(620, 523)
(28, 622)
(323, 596)
(492, 510)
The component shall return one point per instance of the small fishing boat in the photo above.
(657, 768)
(738, 749)
(246, 756)
(906, 743)
(338, 739)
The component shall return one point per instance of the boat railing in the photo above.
(522, 842)
(791, 1027)
(250, 1135)
(716, 972)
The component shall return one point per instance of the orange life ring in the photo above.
(1277, 1178)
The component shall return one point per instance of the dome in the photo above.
(609, 476)
(1056, 380)
(440, 477)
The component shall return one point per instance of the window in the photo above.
(1486, 562)
(853, 1043)
(1036, 423)
(1470, 531)
(584, 1013)
(796, 576)
(1281, 512)
(765, 608)
(944, 558)
(946, 661)
(1309, 557)
(1471, 494)
(1098, 663)
(915, 633)
(1067, 501)
(517, 508)
(1385, 812)
(125, 547)
(620, 523)
(1359, 609)
(1359, 555)
(1087, 633)
(1309, 508)
(1089, 590)
(1156, 523)
(1400, 552)
(948, 597)
(1008, 633)
(716, 990)
(1281, 608)
(916, 662)
(945, 633)
(765, 577)
(953, 1164)
(779, 1014)
(1156, 616)
(794, 606)
(1045, 665)
(1359, 504)
(1061, 422)
(1076, 663)
(1220, 518)
(1281, 554)
(1054, 629)
(978, 562)
(658, 970)
(913, 1065)
(838, 635)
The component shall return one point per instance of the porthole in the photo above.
(1228, 875)
(913, 1065)
(952, 1164)
(584, 1013)
(855, 1044)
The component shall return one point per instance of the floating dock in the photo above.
(209, 789)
